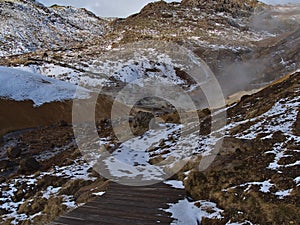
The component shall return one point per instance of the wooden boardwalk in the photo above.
(122, 205)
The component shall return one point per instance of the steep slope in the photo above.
(255, 177)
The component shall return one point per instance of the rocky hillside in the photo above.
(255, 177)
(49, 53)
(46, 27)
(236, 8)
(236, 44)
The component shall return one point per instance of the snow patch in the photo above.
(99, 193)
(185, 212)
(285, 112)
(247, 222)
(283, 193)
(77, 170)
(175, 184)
(264, 186)
(21, 85)
(50, 191)
(69, 201)
(132, 158)
(297, 181)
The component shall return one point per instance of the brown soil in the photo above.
(18, 115)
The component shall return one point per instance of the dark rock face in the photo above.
(29, 165)
(152, 7)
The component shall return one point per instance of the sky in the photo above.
(123, 8)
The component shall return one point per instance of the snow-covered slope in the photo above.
(20, 85)
(26, 26)
(105, 72)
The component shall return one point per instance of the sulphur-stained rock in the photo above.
(235, 145)
(53, 208)
(196, 185)
(84, 193)
(155, 160)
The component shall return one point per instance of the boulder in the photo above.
(3, 212)
(13, 152)
(4, 164)
(28, 165)
(18, 196)
(72, 186)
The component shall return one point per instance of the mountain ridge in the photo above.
(49, 28)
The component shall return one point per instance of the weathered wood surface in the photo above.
(122, 205)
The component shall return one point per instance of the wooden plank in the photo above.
(120, 212)
(126, 205)
(95, 219)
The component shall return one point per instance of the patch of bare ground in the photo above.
(18, 115)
